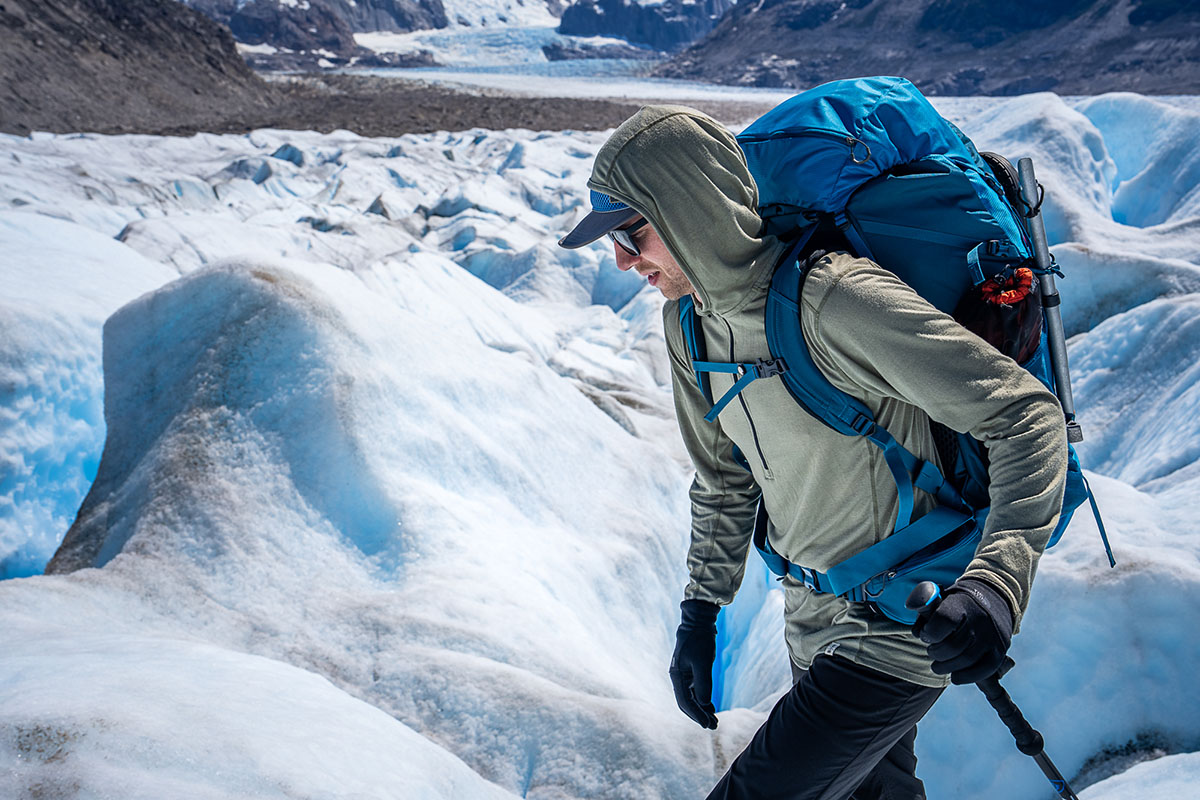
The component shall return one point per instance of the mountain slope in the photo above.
(158, 66)
(956, 47)
(117, 65)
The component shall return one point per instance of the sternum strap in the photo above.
(749, 372)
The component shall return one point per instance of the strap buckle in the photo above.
(770, 367)
(862, 424)
(763, 368)
(809, 577)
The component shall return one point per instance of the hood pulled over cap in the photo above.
(685, 173)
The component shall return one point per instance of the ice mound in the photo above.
(403, 507)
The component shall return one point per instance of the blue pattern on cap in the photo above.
(603, 203)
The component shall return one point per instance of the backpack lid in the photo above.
(855, 129)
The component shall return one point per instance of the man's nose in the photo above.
(624, 259)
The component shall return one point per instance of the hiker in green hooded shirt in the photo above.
(672, 190)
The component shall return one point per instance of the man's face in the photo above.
(654, 262)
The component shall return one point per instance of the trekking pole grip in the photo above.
(924, 599)
(1029, 741)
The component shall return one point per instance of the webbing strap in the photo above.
(992, 247)
(909, 471)
(974, 267)
(893, 454)
(882, 556)
(689, 326)
(849, 578)
(1112, 562)
(750, 372)
(861, 248)
(717, 366)
(733, 392)
(929, 479)
(781, 566)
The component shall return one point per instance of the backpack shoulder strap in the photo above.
(785, 339)
(833, 407)
(693, 337)
(809, 387)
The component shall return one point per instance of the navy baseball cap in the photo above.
(607, 214)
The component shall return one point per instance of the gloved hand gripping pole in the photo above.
(925, 597)
(1032, 198)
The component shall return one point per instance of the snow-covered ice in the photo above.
(510, 49)
(391, 503)
(140, 727)
(1168, 778)
(581, 79)
(61, 281)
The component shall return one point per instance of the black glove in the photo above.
(692, 663)
(968, 633)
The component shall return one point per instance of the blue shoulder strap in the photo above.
(810, 388)
(693, 337)
(844, 414)
(836, 409)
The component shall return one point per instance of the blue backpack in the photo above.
(871, 166)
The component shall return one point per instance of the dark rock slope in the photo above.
(157, 66)
(956, 47)
(668, 25)
(118, 65)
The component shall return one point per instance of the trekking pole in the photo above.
(924, 598)
(1031, 196)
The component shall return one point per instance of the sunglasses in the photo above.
(624, 237)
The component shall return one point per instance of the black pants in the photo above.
(843, 732)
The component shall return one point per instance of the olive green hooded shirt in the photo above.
(828, 496)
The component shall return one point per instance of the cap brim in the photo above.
(595, 225)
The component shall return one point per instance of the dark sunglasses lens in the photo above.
(622, 238)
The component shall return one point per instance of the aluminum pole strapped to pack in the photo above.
(1031, 196)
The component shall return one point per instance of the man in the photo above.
(672, 190)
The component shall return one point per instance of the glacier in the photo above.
(369, 490)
